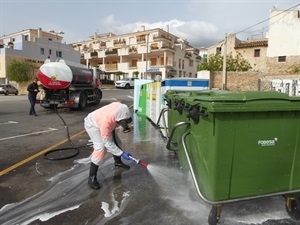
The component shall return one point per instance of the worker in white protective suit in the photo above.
(100, 126)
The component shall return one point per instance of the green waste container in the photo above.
(244, 144)
(177, 103)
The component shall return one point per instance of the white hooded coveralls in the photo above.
(100, 125)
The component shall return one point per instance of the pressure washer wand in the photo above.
(137, 161)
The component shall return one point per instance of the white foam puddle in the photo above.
(255, 211)
(179, 189)
(67, 191)
(116, 204)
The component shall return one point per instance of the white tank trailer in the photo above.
(68, 85)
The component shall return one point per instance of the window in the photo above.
(26, 37)
(256, 52)
(191, 63)
(281, 58)
(134, 63)
(218, 51)
(50, 51)
(58, 54)
(162, 61)
(42, 50)
(153, 61)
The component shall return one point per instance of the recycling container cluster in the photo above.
(175, 102)
(241, 144)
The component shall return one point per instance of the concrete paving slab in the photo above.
(56, 192)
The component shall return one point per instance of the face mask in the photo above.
(125, 124)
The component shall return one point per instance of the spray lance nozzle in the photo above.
(138, 161)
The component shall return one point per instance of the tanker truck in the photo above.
(67, 85)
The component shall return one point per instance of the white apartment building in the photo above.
(152, 54)
(34, 45)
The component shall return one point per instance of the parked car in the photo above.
(8, 89)
(126, 83)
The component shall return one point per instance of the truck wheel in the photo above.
(82, 101)
(127, 86)
(97, 97)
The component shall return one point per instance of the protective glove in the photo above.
(126, 155)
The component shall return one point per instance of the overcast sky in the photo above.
(201, 22)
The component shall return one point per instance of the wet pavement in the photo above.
(47, 193)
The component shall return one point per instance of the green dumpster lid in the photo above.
(226, 101)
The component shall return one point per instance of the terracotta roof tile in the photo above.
(253, 43)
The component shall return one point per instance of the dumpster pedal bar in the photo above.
(179, 124)
(162, 116)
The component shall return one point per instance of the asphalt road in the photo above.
(34, 190)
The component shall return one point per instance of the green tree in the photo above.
(20, 71)
(215, 63)
(135, 73)
(295, 69)
(119, 73)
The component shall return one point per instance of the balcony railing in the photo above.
(162, 36)
(140, 39)
(119, 42)
(113, 66)
(167, 47)
(94, 54)
(188, 54)
(111, 52)
(132, 50)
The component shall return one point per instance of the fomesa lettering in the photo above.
(270, 142)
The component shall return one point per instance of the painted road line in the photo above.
(9, 122)
(129, 96)
(24, 135)
(7, 170)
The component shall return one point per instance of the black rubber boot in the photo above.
(93, 177)
(119, 163)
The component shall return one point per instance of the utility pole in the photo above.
(224, 77)
(145, 76)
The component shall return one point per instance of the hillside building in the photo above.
(277, 54)
(149, 54)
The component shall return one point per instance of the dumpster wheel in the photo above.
(292, 206)
(214, 215)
